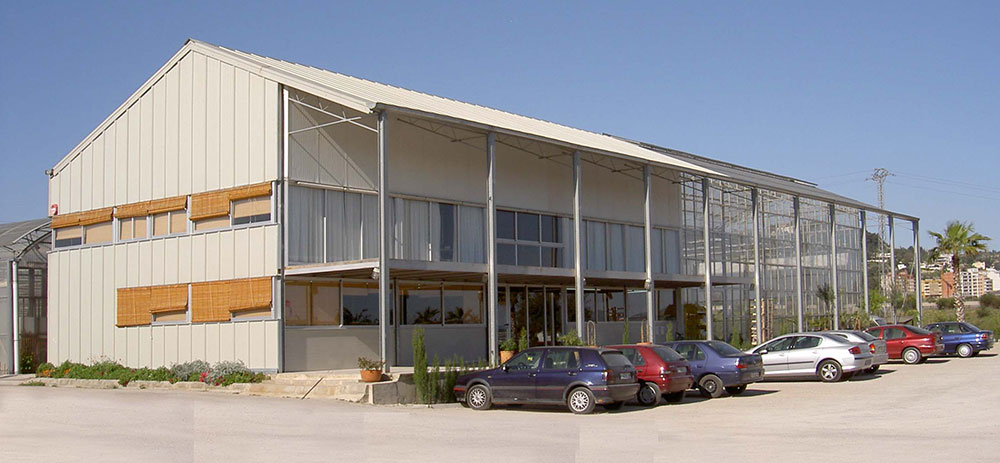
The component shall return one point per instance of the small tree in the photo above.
(420, 377)
(958, 239)
(522, 340)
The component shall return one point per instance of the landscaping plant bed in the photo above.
(198, 371)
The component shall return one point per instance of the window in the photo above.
(253, 210)
(636, 304)
(168, 223)
(463, 304)
(296, 303)
(420, 304)
(71, 236)
(561, 359)
(807, 342)
(532, 240)
(894, 333)
(527, 360)
(360, 302)
(214, 223)
(666, 354)
(445, 232)
(634, 356)
(132, 228)
(780, 344)
(324, 304)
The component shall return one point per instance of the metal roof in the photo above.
(367, 96)
(15, 237)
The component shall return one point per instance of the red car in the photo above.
(661, 372)
(909, 343)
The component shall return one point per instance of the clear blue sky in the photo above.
(822, 92)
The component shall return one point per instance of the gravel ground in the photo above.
(945, 409)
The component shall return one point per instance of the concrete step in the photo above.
(341, 388)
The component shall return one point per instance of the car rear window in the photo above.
(866, 336)
(723, 349)
(915, 330)
(667, 354)
(615, 359)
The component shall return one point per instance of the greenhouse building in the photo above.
(240, 207)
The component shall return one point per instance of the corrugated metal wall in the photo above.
(204, 125)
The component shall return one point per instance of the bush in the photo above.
(522, 340)
(365, 363)
(509, 344)
(945, 303)
(991, 301)
(221, 374)
(570, 339)
(420, 366)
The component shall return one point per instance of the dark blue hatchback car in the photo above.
(962, 338)
(579, 377)
(717, 366)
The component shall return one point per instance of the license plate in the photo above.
(625, 376)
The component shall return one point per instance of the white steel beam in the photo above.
(755, 203)
(491, 246)
(798, 263)
(384, 292)
(864, 262)
(577, 247)
(916, 270)
(648, 236)
(833, 266)
(706, 186)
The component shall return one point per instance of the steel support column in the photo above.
(918, 286)
(384, 291)
(892, 257)
(577, 248)
(833, 267)
(759, 313)
(648, 236)
(15, 325)
(706, 186)
(864, 262)
(491, 246)
(798, 263)
(283, 229)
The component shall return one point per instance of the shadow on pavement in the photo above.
(983, 354)
(937, 360)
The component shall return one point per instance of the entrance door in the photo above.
(553, 315)
(536, 317)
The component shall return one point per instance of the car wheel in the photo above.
(675, 397)
(872, 370)
(581, 401)
(736, 390)
(478, 397)
(911, 356)
(614, 405)
(829, 371)
(710, 386)
(648, 395)
(964, 350)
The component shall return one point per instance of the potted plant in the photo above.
(507, 349)
(371, 370)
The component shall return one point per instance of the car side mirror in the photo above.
(504, 367)
(762, 351)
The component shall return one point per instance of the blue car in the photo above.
(962, 338)
(717, 366)
(579, 377)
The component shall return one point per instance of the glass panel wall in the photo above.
(331, 225)
(534, 240)
(437, 231)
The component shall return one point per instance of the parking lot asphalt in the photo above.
(946, 409)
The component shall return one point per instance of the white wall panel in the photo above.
(145, 340)
(255, 121)
(184, 138)
(157, 254)
(84, 305)
(170, 345)
(146, 161)
(199, 151)
(109, 301)
(65, 274)
(241, 253)
(212, 257)
(132, 344)
(86, 161)
(74, 308)
(272, 105)
(271, 345)
(257, 344)
(227, 341)
(184, 259)
(227, 259)
(62, 200)
(199, 255)
(212, 126)
(241, 128)
(121, 258)
(171, 257)
(54, 304)
(184, 346)
(144, 269)
(97, 307)
(75, 200)
(227, 119)
(121, 160)
(212, 342)
(241, 342)
(157, 345)
(171, 156)
(271, 250)
(134, 177)
(258, 247)
(198, 351)
(158, 142)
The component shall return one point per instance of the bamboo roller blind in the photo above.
(155, 206)
(216, 203)
(82, 218)
(214, 301)
(136, 304)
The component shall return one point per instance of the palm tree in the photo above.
(958, 239)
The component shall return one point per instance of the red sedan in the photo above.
(909, 343)
(661, 372)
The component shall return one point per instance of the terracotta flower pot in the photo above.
(506, 355)
(371, 376)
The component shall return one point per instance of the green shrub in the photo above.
(570, 339)
(991, 301)
(945, 303)
(220, 374)
(33, 383)
(522, 340)
(420, 366)
(187, 370)
(509, 344)
(27, 361)
(45, 369)
(365, 363)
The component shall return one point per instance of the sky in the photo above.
(818, 91)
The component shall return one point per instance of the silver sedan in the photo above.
(817, 355)
(875, 345)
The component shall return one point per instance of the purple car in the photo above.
(717, 366)
(579, 377)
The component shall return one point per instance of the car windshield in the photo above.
(615, 359)
(667, 354)
(723, 349)
(915, 330)
(865, 336)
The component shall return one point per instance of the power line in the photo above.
(950, 182)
